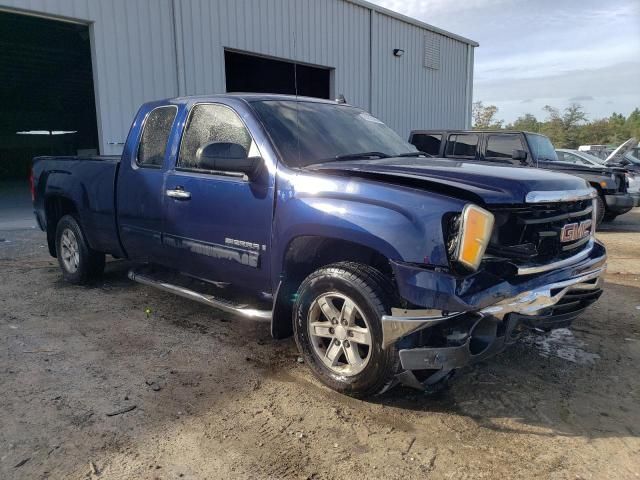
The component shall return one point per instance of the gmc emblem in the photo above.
(573, 232)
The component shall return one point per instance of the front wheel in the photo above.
(79, 263)
(338, 328)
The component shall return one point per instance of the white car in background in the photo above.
(631, 163)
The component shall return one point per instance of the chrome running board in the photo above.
(210, 300)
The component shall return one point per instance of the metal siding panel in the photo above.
(399, 82)
(133, 44)
(327, 32)
(124, 56)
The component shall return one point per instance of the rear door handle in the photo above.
(179, 194)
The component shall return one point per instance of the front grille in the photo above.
(532, 234)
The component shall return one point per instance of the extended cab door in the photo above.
(140, 184)
(217, 225)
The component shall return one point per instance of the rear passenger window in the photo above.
(462, 145)
(155, 135)
(212, 123)
(427, 142)
(502, 146)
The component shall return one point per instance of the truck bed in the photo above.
(89, 183)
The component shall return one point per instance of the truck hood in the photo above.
(619, 152)
(573, 169)
(492, 184)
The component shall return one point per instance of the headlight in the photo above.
(476, 225)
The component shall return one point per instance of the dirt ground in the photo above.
(210, 396)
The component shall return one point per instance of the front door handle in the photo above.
(179, 194)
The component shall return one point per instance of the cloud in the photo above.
(582, 98)
(620, 79)
(422, 9)
(558, 51)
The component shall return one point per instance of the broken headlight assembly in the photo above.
(469, 235)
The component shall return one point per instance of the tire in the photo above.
(600, 210)
(78, 262)
(609, 217)
(366, 295)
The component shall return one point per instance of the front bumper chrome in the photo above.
(404, 322)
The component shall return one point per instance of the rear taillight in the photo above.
(32, 187)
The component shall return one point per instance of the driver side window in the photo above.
(212, 123)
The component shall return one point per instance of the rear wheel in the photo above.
(338, 328)
(79, 263)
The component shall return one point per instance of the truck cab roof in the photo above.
(248, 97)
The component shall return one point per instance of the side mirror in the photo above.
(227, 157)
(519, 155)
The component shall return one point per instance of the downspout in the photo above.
(178, 49)
(372, 14)
(469, 86)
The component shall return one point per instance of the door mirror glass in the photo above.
(226, 157)
(519, 155)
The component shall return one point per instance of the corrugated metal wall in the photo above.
(150, 49)
(321, 32)
(406, 94)
(133, 59)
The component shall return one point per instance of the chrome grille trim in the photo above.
(532, 269)
(560, 196)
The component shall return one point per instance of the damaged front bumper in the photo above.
(483, 321)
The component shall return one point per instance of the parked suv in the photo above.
(519, 148)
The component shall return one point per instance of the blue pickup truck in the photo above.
(387, 266)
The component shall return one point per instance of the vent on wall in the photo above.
(432, 51)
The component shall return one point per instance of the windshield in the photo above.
(312, 132)
(592, 158)
(632, 158)
(541, 147)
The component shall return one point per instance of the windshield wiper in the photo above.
(418, 153)
(361, 156)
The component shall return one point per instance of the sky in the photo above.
(545, 52)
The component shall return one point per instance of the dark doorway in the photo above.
(249, 73)
(46, 91)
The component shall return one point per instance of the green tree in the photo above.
(484, 117)
(568, 128)
(632, 123)
(526, 122)
(572, 119)
(553, 127)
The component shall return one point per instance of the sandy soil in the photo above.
(215, 397)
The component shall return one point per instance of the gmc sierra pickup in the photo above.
(527, 149)
(387, 266)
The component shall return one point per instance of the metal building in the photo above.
(407, 73)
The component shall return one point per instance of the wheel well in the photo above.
(305, 255)
(55, 208)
